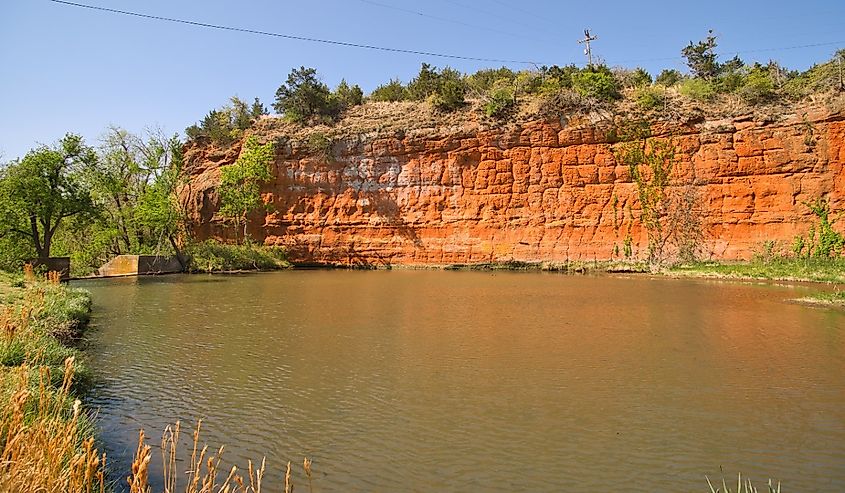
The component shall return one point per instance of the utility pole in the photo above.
(588, 51)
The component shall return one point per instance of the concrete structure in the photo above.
(53, 264)
(136, 265)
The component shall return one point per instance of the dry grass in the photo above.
(44, 442)
(205, 474)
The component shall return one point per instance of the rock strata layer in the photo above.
(535, 192)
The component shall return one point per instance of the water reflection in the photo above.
(457, 381)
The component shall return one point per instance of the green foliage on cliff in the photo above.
(391, 92)
(304, 97)
(240, 183)
(227, 124)
(598, 83)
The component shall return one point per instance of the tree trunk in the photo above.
(183, 262)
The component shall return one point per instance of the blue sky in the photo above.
(67, 69)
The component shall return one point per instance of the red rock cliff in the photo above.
(535, 191)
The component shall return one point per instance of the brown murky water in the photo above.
(462, 381)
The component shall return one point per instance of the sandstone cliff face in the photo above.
(534, 191)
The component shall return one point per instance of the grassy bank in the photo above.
(46, 440)
(829, 270)
(213, 256)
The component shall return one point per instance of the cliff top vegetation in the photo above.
(446, 99)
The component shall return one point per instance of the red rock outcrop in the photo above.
(536, 191)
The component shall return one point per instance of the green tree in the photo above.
(240, 183)
(42, 190)
(304, 97)
(391, 92)
(701, 57)
(348, 96)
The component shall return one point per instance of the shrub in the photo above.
(226, 124)
(555, 78)
(446, 89)
(563, 102)
(758, 86)
(697, 90)
(597, 83)
(391, 92)
(213, 256)
(499, 100)
(450, 95)
(632, 78)
(669, 77)
(320, 145)
(650, 98)
(304, 97)
(484, 80)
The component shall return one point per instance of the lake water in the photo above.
(475, 381)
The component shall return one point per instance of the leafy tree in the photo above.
(701, 57)
(304, 97)
(348, 96)
(240, 183)
(391, 92)
(42, 190)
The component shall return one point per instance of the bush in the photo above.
(669, 77)
(391, 92)
(650, 98)
(697, 90)
(758, 86)
(450, 95)
(484, 80)
(320, 145)
(226, 124)
(446, 89)
(304, 98)
(555, 78)
(213, 256)
(564, 102)
(632, 78)
(598, 83)
(499, 100)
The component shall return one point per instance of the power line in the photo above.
(445, 19)
(289, 36)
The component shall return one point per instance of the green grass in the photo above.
(213, 256)
(831, 270)
(834, 298)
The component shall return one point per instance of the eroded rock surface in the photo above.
(535, 191)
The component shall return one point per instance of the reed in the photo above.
(45, 443)
(204, 474)
(742, 486)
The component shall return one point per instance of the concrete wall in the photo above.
(136, 265)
